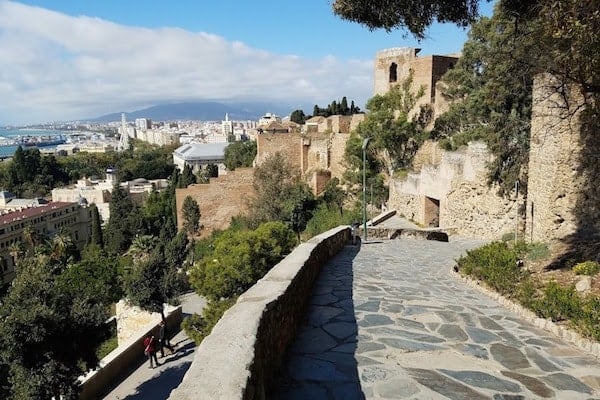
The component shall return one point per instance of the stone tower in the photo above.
(563, 200)
(393, 66)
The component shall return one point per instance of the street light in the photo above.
(364, 150)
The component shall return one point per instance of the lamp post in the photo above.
(364, 150)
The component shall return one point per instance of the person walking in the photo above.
(150, 350)
(163, 339)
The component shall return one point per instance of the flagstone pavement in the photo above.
(391, 320)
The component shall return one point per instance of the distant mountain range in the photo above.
(202, 111)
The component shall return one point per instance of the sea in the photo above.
(9, 134)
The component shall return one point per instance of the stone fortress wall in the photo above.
(224, 197)
(317, 154)
(393, 66)
(563, 199)
(449, 189)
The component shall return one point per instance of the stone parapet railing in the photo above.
(119, 362)
(375, 233)
(244, 352)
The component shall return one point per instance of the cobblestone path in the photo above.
(390, 320)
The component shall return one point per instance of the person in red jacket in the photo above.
(150, 350)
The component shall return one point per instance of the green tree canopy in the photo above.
(239, 259)
(124, 223)
(190, 211)
(152, 282)
(51, 327)
(298, 117)
(240, 154)
(394, 137)
(278, 190)
(415, 16)
(490, 94)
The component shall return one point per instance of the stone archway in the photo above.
(431, 212)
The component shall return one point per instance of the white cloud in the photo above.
(58, 67)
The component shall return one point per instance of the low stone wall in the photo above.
(124, 358)
(245, 350)
(374, 233)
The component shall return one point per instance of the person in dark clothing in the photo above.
(150, 349)
(163, 339)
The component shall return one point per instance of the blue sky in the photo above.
(64, 60)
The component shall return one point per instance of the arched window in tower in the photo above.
(393, 72)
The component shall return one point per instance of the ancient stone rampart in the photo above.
(245, 350)
(224, 197)
(564, 164)
(452, 193)
(290, 145)
(393, 67)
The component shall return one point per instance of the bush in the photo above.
(537, 251)
(240, 258)
(496, 264)
(559, 303)
(589, 323)
(106, 347)
(587, 268)
(327, 217)
(198, 327)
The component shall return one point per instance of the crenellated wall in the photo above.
(245, 349)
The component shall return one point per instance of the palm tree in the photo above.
(141, 247)
(16, 251)
(60, 245)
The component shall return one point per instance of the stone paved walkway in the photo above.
(390, 320)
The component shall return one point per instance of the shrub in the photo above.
(537, 251)
(586, 268)
(496, 264)
(327, 217)
(589, 323)
(240, 258)
(559, 303)
(198, 327)
(106, 347)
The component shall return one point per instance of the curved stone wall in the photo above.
(245, 349)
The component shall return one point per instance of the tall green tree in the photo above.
(490, 93)
(278, 190)
(394, 136)
(124, 223)
(334, 195)
(190, 211)
(96, 237)
(298, 117)
(50, 331)
(152, 282)
(187, 177)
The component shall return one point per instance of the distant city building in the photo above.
(227, 126)
(143, 124)
(125, 134)
(10, 202)
(198, 155)
(99, 191)
(267, 118)
(46, 220)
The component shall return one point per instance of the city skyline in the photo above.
(67, 60)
